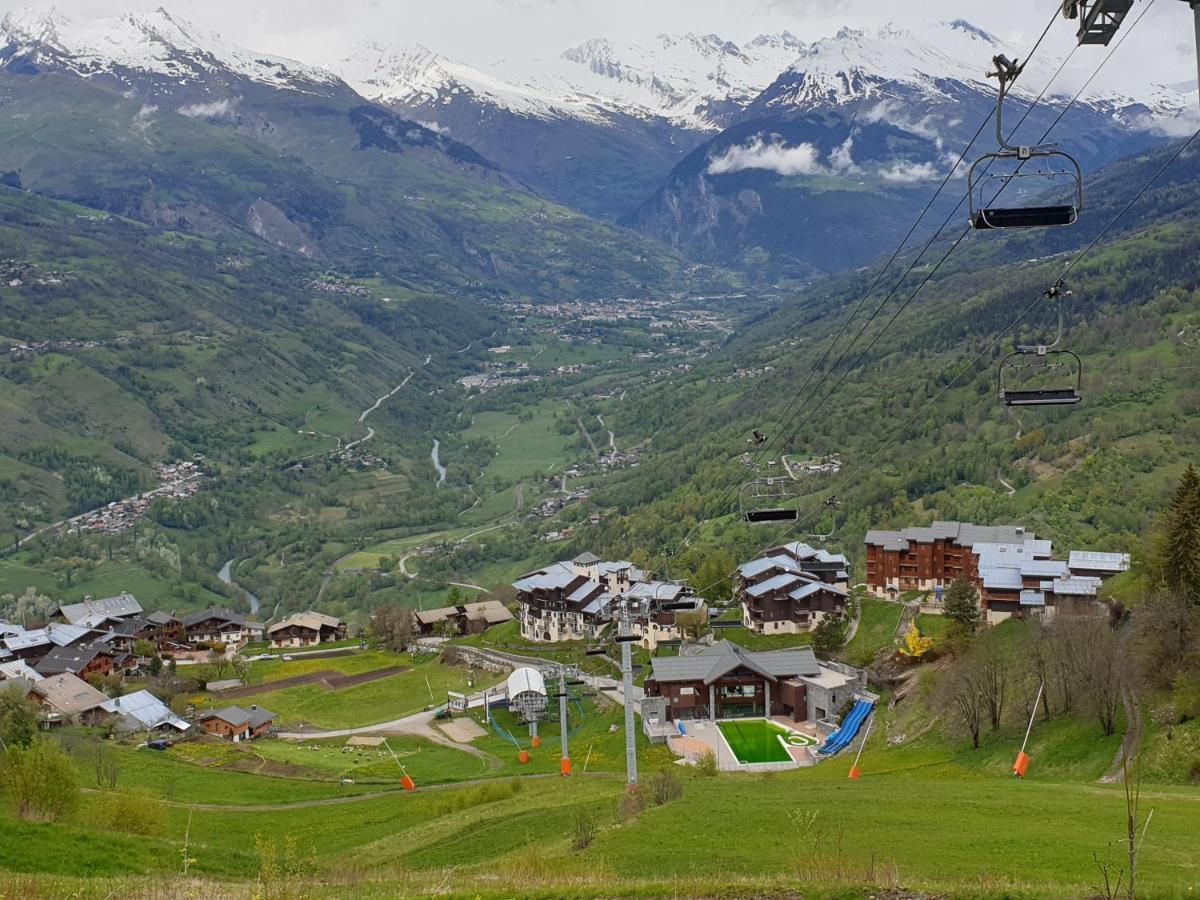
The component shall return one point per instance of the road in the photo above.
(362, 418)
(612, 439)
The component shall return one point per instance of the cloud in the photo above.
(434, 127)
(144, 118)
(770, 154)
(904, 172)
(214, 111)
(841, 159)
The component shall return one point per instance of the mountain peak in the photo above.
(155, 44)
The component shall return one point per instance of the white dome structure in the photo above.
(527, 694)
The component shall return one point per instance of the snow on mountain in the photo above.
(690, 80)
(155, 44)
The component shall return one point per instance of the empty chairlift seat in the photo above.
(984, 213)
(770, 500)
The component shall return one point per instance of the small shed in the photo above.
(527, 694)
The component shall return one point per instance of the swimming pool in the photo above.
(761, 741)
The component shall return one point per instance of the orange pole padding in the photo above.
(523, 756)
(408, 783)
(1021, 766)
(855, 773)
(565, 766)
(536, 741)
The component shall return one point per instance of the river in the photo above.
(226, 577)
(437, 462)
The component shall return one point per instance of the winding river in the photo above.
(226, 577)
(437, 462)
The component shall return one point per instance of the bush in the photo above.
(40, 780)
(630, 804)
(583, 830)
(706, 765)
(136, 813)
(663, 787)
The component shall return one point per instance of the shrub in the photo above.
(663, 787)
(134, 813)
(630, 804)
(706, 765)
(41, 781)
(583, 829)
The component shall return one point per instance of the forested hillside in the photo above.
(1093, 475)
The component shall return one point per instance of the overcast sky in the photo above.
(482, 31)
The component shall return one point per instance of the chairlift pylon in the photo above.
(986, 217)
(768, 500)
(1042, 359)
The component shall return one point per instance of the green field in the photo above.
(876, 629)
(527, 446)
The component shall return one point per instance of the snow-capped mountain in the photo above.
(689, 81)
(154, 45)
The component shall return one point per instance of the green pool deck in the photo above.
(758, 740)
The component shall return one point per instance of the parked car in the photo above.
(160, 744)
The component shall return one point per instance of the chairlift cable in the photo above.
(790, 410)
(1020, 317)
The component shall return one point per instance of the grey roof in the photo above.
(254, 717)
(765, 564)
(723, 657)
(216, 612)
(778, 583)
(160, 618)
(556, 576)
(1033, 598)
(816, 587)
(117, 607)
(492, 610)
(142, 710)
(962, 533)
(1043, 568)
(1096, 561)
(1001, 577)
(27, 639)
(71, 659)
(666, 591)
(586, 559)
(1075, 587)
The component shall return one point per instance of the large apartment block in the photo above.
(1015, 571)
(791, 588)
(577, 600)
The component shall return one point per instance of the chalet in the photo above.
(96, 613)
(468, 618)
(220, 626)
(69, 697)
(142, 711)
(790, 589)
(32, 645)
(14, 669)
(1014, 571)
(305, 629)
(94, 660)
(724, 681)
(236, 723)
(165, 631)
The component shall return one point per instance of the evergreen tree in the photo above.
(1180, 538)
(961, 609)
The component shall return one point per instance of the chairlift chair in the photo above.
(1042, 359)
(984, 216)
(769, 500)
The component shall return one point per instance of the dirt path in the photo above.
(586, 434)
(1008, 487)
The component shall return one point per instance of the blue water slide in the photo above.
(841, 738)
